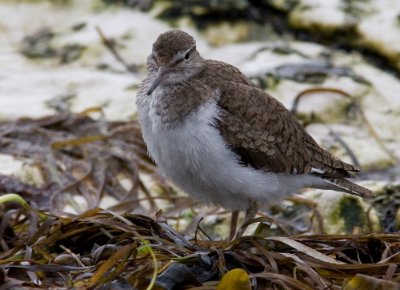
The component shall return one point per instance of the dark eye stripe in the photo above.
(190, 51)
(187, 55)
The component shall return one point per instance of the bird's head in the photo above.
(174, 59)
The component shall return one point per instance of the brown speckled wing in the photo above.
(267, 136)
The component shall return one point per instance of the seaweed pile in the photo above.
(131, 243)
(104, 250)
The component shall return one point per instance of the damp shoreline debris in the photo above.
(134, 243)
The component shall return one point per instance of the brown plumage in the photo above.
(188, 106)
(267, 136)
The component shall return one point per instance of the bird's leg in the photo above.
(233, 225)
(250, 214)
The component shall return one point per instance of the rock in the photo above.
(343, 213)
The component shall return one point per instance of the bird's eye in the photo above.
(187, 55)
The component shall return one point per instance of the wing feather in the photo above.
(265, 135)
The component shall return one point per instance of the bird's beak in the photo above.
(162, 72)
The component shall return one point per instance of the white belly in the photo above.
(194, 156)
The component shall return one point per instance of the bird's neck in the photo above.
(173, 103)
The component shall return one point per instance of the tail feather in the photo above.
(349, 187)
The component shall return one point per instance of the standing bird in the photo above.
(223, 140)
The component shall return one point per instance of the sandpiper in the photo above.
(223, 140)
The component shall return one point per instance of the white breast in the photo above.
(195, 157)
